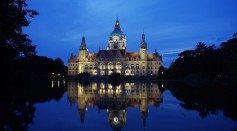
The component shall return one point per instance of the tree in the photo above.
(82, 75)
(162, 72)
(200, 48)
(235, 35)
(187, 53)
(114, 77)
(204, 60)
(13, 16)
(229, 50)
(14, 44)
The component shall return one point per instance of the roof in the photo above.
(74, 58)
(153, 57)
(117, 32)
(131, 55)
(111, 53)
(91, 56)
(150, 57)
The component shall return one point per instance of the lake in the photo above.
(45, 104)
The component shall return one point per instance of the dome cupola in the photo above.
(117, 30)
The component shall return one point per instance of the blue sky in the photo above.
(170, 26)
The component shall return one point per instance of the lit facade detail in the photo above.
(116, 58)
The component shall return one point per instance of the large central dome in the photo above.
(117, 40)
(117, 31)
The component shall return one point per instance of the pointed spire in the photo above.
(143, 36)
(82, 115)
(117, 24)
(143, 44)
(144, 115)
(83, 43)
(83, 39)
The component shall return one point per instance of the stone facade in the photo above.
(116, 59)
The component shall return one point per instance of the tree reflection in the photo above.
(207, 99)
(18, 98)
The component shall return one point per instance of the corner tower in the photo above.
(143, 48)
(117, 40)
(83, 52)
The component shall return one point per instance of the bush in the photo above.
(114, 77)
(83, 75)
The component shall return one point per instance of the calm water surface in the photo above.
(61, 105)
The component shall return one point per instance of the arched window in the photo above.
(86, 67)
(127, 66)
(118, 66)
(127, 59)
(102, 66)
(95, 66)
(110, 66)
(137, 59)
(137, 66)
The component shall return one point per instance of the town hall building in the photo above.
(116, 59)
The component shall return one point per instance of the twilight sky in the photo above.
(170, 26)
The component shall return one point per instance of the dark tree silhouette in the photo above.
(13, 16)
(17, 54)
(229, 52)
(235, 35)
(204, 60)
(41, 65)
(163, 72)
(14, 44)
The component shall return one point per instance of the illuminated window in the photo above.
(95, 66)
(86, 66)
(118, 66)
(137, 66)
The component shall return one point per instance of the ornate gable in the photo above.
(118, 54)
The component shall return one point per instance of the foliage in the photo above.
(14, 44)
(204, 60)
(83, 75)
(114, 77)
(229, 52)
(17, 54)
(41, 65)
(13, 16)
(163, 72)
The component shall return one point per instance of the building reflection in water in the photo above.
(115, 99)
(58, 83)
